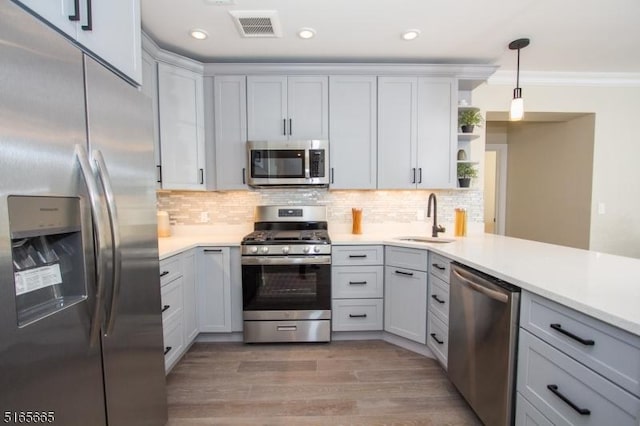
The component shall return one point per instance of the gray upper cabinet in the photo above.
(110, 29)
(281, 107)
(416, 135)
(230, 111)
(437, 137)
(150, 89)
(352, 131)
(397, 132)
(182, 145)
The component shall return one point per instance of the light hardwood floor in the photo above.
(339, 383)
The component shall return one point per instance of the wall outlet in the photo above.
(602, 209)
(204, 217)
(420, 214)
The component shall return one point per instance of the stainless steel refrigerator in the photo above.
(80, 320)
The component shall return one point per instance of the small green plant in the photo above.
(470, 117)
(467, 170)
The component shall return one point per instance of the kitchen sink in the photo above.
(419, 239)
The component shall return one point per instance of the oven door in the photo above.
(286, 287)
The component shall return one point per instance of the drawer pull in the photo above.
(164, 273)
(357, 282)
(434, 336)
(357, 315)
(437, 299)
(556, 392)
(167, 349)
(435, 265)
(357, 256)
(165, 307)
(287, 328)
(558, 328)
(409, 274)
(212, 250)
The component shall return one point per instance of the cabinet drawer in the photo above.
(357, 282)
(439, 266)
(439, 298)
(614, 353)
(528, 415)
(169, 270)
(356, 255)
(438, 339)
(407, 258)
(173, 343)
(171, 296)
(561, 388)
(356, 315)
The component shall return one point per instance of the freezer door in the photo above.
(46, 361)
(121, 142)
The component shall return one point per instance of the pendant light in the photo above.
(517, 105)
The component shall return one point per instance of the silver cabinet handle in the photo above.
(287, 328)
(105, 179)
(495, 295)
(100, 236)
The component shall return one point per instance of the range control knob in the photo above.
(264, 250)
(306, 249)
(285, 249)
(253, 250)
(316, 249)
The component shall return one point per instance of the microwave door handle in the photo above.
(100, 236)
(105, 179)
(307, 172)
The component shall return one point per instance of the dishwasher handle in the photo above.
(493, 294)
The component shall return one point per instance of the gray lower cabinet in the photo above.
(214, 290)
(189, 296)
(405, 293)
(528, 415)
(357, 288)
(438, 307)
(574, 369)
(171, 293)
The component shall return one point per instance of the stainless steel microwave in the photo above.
(286, 163)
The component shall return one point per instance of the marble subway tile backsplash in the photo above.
(379, 207)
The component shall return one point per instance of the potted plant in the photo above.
(468, 118)
(466, 171)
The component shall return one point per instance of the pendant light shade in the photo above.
(516, 112)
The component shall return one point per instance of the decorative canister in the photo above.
(357, 221)
(164, 229)
(460, 228)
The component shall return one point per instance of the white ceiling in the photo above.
(566, 35)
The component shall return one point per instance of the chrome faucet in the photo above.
(435, 229)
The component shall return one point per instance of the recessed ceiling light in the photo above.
(306, 33)
(410, 34)
(198, 34)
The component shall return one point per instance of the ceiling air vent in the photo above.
(257, 23)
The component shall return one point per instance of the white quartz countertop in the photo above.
(604, 286)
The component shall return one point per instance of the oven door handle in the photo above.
(286, 260)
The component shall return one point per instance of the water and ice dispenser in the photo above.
(47, 254)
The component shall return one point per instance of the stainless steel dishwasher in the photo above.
(483, 331)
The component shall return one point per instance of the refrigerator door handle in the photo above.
(101, 260)
(103, 174)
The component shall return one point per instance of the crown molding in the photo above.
(553, 78)
(159, 54)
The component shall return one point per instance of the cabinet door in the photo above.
(405, 300)
(115, 35)
(267, 108)
(214, 290)
(189, 300)
(352, 131)
(56, 12)
(150, 89)
(181, 105)
(308, 107)
(230, 111)
(436, 149)
(397, 106)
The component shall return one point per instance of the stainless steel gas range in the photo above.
(286, 276)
